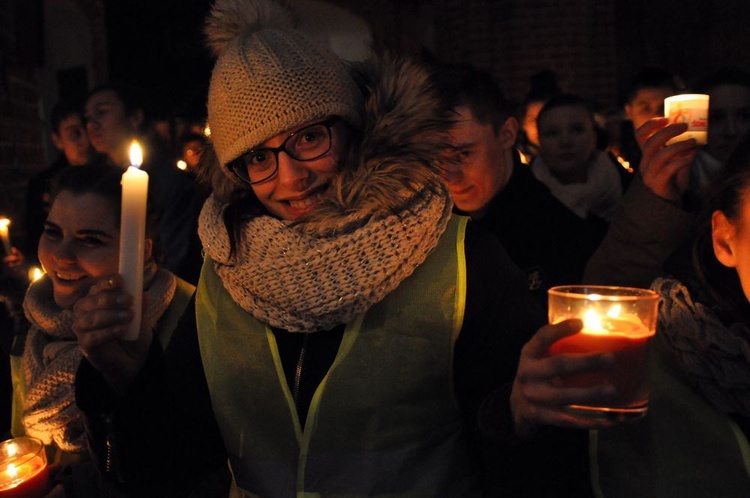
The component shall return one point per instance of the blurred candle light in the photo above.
(5, 235)
(207, 130)
(133, 234)
(35, 273)
(23, 469)
(181, 165)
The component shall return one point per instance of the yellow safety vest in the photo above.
(683, 448)
(383, 422)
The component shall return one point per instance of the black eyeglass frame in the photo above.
(239, 167)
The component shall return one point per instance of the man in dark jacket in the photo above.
(491, 185)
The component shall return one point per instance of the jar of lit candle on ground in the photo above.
(617, 320)
(23, 469)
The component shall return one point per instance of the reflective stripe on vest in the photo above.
(383, 422)
(682, 448)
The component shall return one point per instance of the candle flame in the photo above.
(12, 470)
(136, 154)
(207, 130)
(12, 449)
(592, 322)
(614, 311)
(181, 165)
(4, 222)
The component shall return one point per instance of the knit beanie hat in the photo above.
(269, 77)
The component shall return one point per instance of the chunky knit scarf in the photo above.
(300, 280)
(51, 357)
(716, 357)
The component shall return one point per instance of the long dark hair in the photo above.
(721, 284)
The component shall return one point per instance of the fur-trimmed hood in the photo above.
(398, 151)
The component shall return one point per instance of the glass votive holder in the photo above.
(23, 469)
(617, 320)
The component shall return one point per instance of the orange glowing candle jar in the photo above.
(23, 469)
(617, 320)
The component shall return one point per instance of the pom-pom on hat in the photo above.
(269, 77)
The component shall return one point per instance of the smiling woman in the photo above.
(80, 244)
(78, 249)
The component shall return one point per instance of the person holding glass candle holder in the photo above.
(659, 210)
(348, 330)
(79, 245)
(694, 441)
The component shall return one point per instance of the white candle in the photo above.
(133, 234)
(4, 223)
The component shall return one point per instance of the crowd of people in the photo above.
(345, 289)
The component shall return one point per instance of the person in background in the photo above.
(659, 210)
(191, 149)
(644, 101)
(489, 184)
(581, 176)
(348, 328)
(114, 117)
(69, 136)
(694, 441)
(79, 245)
(543, 86)
(549, 242)
(729, 119)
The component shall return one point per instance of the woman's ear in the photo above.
(723, 234)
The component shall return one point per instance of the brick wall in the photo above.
(594, 46)
(21, 147)
(23, 132)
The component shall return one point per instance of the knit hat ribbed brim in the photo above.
(270, 78)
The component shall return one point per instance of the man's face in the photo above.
(728, 119)
(646, 104)
(486, 162)
(108, 125)
(72, 140)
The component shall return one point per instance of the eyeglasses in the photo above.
(307, 144)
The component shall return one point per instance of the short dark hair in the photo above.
(653, 77)
(61, 111)
(103, 179)
(725, 76)
(132, 98)
(463, 84)
(567, 100)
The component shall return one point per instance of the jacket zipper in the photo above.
(298, 371)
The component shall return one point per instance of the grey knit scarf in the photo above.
(291, 277)
(716, 357)
(51, 357)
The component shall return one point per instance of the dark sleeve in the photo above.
(501, 316)
(160, 438)
(645, 231)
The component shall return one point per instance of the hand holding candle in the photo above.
(617, 320)
(133, 234)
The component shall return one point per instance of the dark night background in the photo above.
(162, 53)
